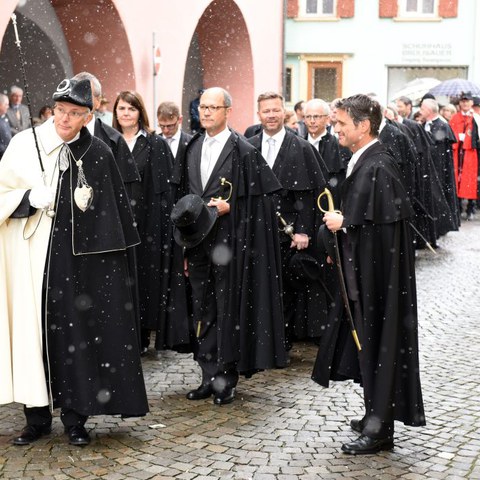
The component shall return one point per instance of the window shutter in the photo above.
(448, 8)
(292, 9)
(346, 8)
(388, 8)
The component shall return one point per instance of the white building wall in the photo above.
(371, 45)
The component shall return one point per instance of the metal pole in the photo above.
(154, 116)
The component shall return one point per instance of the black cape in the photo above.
(153, 204)
(300, 171)
(251, 333)
(378, 260)
(92, 354)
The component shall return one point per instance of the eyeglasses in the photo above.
(314, 117)
(167, 127)
(211, 108)
(72, 114)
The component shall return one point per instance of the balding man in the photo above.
(17, 114)
(225, 219)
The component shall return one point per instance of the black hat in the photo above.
(302, 270)
(193, 220)
(325, 241)
(78, 92)
(466, 96)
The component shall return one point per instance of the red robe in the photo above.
(466, 167)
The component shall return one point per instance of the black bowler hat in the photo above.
(466, 96)
(78, 92)
(192, 220)
(326, 241)
(302, 270)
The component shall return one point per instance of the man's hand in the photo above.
(299, 241)
(223, 206)
(333, 221)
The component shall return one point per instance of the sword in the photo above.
(338, 262)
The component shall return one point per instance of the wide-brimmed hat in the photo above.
(192, 220)
(78, 92)
(302, 270)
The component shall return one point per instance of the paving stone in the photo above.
(283, 426)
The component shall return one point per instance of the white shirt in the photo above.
(174, 142)
(132, 141)
(278, 137)
(216, 148)
(357, 154)
(316, 141)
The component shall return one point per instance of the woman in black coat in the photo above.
(152, 204)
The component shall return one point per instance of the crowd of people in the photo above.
(115, 239)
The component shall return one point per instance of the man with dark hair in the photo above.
(404, 107)
(170, 123)
(66, 231)
(378, 264)
(300, 171)
(301, 128)
(238, 324)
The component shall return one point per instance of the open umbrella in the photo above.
(416, 89)
(454, 87)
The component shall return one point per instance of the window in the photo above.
(288, 85)
(318, 8)
(418, 8)
(324, 80)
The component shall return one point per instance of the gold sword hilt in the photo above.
(224, 181)
(331, 206)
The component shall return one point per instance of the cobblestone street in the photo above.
(282, 425)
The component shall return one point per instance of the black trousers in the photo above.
(41, 416)
(208, 279)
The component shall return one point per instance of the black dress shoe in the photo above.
(357, 425)
(30, 433)
(203, 391)
(364, 445)
(77, 435)
(224, 398)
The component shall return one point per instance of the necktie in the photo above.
(17, 113)
(205, 167)
(63, 162)
(169, 141)
(271, 152)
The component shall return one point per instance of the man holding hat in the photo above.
(225, 220)
(465, 126)
(65, 227)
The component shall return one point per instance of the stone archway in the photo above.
(97, 42)
(45, 52)
(62, 37)
(220, 55)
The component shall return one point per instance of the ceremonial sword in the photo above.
(338, 262)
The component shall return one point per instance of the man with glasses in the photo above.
(300, 172)
(69, 340)
(317, 118)
(170, 124)
(234, 265)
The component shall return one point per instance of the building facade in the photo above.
(165, 50)
(337, 48)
